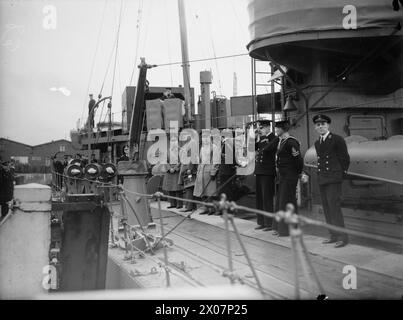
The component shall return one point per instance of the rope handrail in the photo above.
(226, 208)
(280, 215)
(297, 218)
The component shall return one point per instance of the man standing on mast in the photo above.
(91, 105)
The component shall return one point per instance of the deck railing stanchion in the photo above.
(224, 210)
(231, 218)
(158, 195)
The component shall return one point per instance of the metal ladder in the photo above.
(255, 85)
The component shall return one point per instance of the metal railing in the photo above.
(227, 209)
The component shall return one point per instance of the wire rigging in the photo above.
(206, 59)
(199, 34)
(94, 58)
(138, 27)
(169, 44)
(117, 47)
(214, 52)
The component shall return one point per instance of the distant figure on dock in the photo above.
(123, 157)
(6, 186)
(58, 169)
(93, 159)
(125, 154)
(66, 160)
(91, 105)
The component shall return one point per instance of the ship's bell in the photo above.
(290, 105)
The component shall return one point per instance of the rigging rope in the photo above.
(289, 217)
(214, 53)
(117, 47)
(169, 44)
(107, 68)
(234, 206)
(206, 59)
(138, 27)
(94, 58)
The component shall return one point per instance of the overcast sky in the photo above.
(45, 68)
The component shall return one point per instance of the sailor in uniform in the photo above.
(289, 164)
(333, 161)
(91, 105)
(265, 172)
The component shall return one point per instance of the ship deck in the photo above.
(198, 258)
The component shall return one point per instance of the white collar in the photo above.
(325, 135)
(284, 136)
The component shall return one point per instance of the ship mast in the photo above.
(185, 59)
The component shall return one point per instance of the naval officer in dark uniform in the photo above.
(265, 171)
(333, 161)
(289, 166)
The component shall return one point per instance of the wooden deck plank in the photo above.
(371, 285)
(200, 249)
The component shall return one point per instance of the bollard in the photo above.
(158, 195)
(134, 174)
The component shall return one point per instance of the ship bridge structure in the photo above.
(322, 42)
(342, 59)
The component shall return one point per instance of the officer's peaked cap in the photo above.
(321, 118)
(284, 124)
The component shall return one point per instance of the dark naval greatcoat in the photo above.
(333, 162)
(265, 171)
(289, 166)
(333, 159)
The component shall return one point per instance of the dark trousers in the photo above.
(174, 202)
(189, 196)
(331, 198)
(286, 194)
(226, 186)
(265, 189)
(4, 209)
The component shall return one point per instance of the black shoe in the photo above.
(259, 227)
(267, 229)
(331, 240)
(204, 212)
(170, 207)
(275, 233)
(341, 243)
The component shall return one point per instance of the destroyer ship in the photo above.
(113, 237)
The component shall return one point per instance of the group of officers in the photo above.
(278, 158)
(278, 168)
